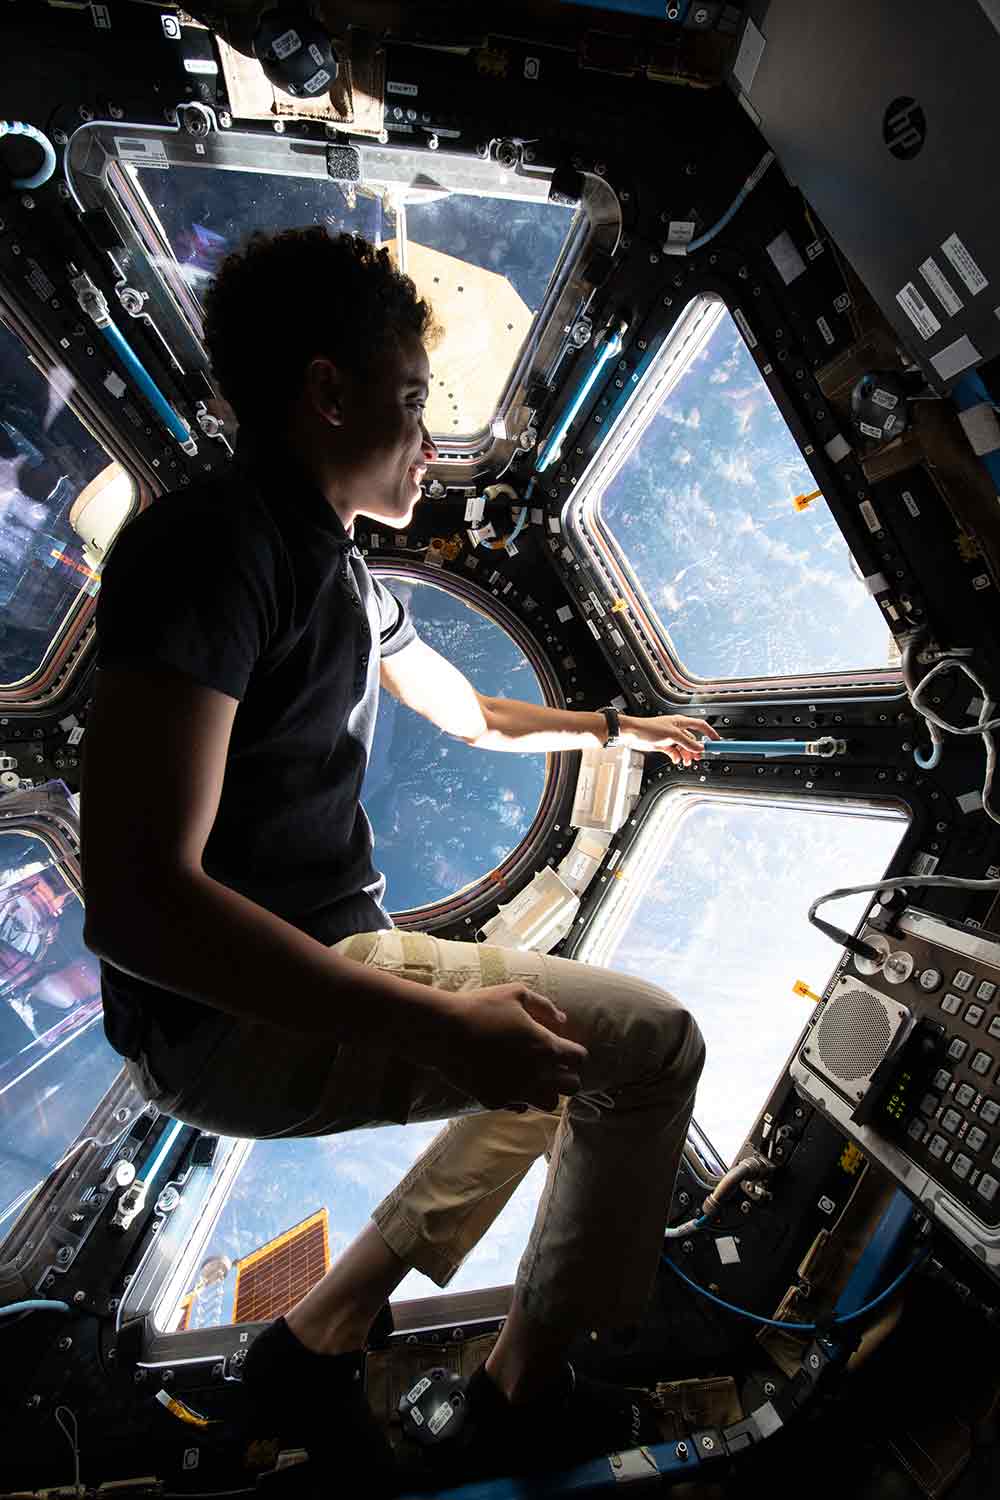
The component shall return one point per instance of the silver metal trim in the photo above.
(956, 939)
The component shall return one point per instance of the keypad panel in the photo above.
(951, 1123)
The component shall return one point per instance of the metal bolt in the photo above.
(941, 827)
(681, 1451)
(433, 143)
(814, 1361)
(457, 1335)
(225, 119)
(27, 201)
(708, 1444)
(64, 1255)
(170, 115)
(279, 127)
(116, 112)
(85, 113)
(687, 1247)
(79, 1297)
(654, 259)
(218, 1371)
(60, 137)
(121, 1115)
(769, 1387)
(683, 1199)
(745, 1206)
(168, 1376)
(624, 196)
(64, 1344)
(33, 1402)
(139, 1376)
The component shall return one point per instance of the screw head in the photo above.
(79, 1297)
(814, 1361)
(64, 1344)
(708, 1444)
(85, 114)
(116, 112)
(769, 1387)
(745, 1206)
(225, 119)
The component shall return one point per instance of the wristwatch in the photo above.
(614, 727)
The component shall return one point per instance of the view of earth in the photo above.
(717, 917)
(744, 585)
(444, 814)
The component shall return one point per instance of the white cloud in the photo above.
(735, 468)
(681, 456)
(719, 376)
(671, 598)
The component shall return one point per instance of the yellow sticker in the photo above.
(851, 1159)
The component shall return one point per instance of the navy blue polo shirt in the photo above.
(251, 585)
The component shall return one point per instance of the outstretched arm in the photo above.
(425, 681)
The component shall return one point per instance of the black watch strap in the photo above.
(614, 726)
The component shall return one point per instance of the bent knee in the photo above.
(666, 1030)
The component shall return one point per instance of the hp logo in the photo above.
(904, 128)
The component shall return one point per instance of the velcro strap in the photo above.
(492, 966)
(360, 947)
(419, 953)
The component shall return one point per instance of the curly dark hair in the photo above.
(281, 299)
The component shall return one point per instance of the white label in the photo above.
(918, 312)
(564, 613)
(284, 45)
(511, 550)
(885, 398)
(680, 231)
(418, 1389)
(876, 583)
(729, 1252)
(925, 864)
(146, 153)
(749, 56)
(101, 17)
(409, 89)
(867, 509)
(75, 735)
(910, 503)
(815, 249)
(593, 630)
(745, 329)
(316, 54)
(474, 507)
(870, 431)
(441, 1418)
(964, 264)
(787, 261)
(825, 330)
(837, 448)
(956, 358)
(841, 303)
(115, 384)
(417, 1416)
(598, 606)
(941, 286)
(38, 281)
(200, 65)
(532, 68)
(318, 81)
(970, 801)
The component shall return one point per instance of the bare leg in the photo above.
(334, 1318)
(528, 1358)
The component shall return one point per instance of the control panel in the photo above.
(904, 1057)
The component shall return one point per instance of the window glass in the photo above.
(55, 1063)
(713, 908)
(702, 512)
(285, 1183)
(483, 263)
(445, 814)
(55, 482)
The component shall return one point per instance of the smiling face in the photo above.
(377, 448)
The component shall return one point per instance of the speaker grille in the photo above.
(854, 1033)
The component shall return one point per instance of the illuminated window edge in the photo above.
(594, 543)
(661, 825)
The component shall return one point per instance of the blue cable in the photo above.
(967, 392)
(730, 213)
(37, 179)
(929, 762)
(34, 1304)
(610, 349)
(173, 423)
(800, 1327)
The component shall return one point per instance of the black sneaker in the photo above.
(318, 1402)
(579, 1419)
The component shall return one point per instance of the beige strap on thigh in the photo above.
(492, 966)
(419, 953)
(360, 947)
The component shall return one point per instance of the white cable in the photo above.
(905, 882)
(984, 726)
(74, 1441)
